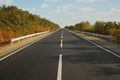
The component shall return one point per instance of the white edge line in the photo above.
(103, 48)
(100, 46)
(59, 74)
(20, 49)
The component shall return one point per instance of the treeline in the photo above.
(100, 27)
(15, 22)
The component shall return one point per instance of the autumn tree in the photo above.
(15, 22)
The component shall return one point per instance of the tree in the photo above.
(15, 22)
(100, 27)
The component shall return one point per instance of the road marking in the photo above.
(103, 48)
(61, 34)
(59, 74)
(18, 50)
(61, 43)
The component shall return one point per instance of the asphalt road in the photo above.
(81, 60)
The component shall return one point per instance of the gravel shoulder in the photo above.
(104, 43)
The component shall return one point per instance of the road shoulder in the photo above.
(104, 43)
(8, 49)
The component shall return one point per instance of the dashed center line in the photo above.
(59, 74)
(61, 43)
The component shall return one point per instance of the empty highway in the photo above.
(61, 56)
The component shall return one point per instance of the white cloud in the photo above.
(66, 7)
(5, 2)
(31, 10)
(87, 9)
(103, 13)
(70, 9)
(71, 14)
(90, 0)
(110, 12)
(44, 5)
(115, 9)
(51, 0)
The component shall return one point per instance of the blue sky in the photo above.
(70, 12)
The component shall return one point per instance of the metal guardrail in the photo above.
(27, 36)
(12, 40)
(98, 35)
(20, 42)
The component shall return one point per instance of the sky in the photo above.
(70, 12)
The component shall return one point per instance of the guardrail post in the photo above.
(11, 41)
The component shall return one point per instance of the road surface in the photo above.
(61, 56)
